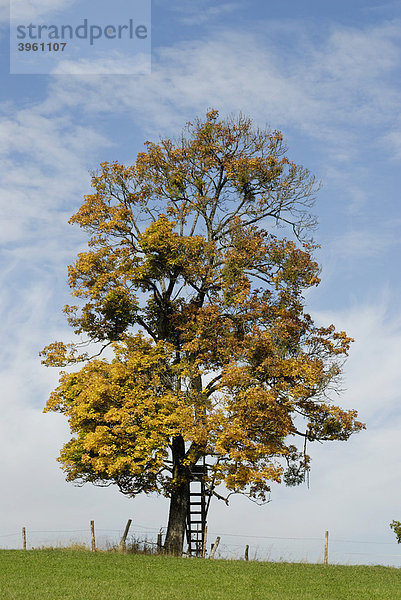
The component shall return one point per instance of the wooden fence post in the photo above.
(204, 542)
(214, 547)
(326, 548)
(159, 542)
(23, 538)
(93, 536)
(122, 545)
(247, 552)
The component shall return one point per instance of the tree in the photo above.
(396, 526)
(200, 304)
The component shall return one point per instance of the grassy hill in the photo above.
(80, 575)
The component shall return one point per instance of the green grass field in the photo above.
(79, 575)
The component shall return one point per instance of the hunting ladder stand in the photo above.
(198, 505)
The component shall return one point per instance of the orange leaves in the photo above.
(181, 247)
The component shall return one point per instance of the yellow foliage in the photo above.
(201, 307)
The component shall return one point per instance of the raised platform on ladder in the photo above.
(197, 510)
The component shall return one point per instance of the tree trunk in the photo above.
(178, 501)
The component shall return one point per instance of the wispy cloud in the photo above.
(364, 244)
(203, 11)
(44, 168)
(115, 63)
(372, 376)
(36, 9)
(339, 90)
(392, 141)
(383, 7)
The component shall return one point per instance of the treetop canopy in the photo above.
(187, 279)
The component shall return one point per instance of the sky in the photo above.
(328, 76)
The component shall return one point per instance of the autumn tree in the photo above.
(199, 300)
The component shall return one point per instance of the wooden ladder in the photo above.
(197, 509)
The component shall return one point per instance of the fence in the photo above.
(309, 549)
(142, 538)
(326, 548)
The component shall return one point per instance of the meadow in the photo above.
(82, 575)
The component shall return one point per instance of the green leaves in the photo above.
(396, 526)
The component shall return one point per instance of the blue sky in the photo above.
(328, 75)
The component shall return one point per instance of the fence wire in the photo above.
(232, 545)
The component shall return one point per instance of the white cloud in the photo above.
(372, 376)
(339, 90)
(44, 169)
(363, 244)
(381, 7)
(28, 10)
(202, 11)
(115, 63)
(190, 77)
(392, 141)
(355, 56)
